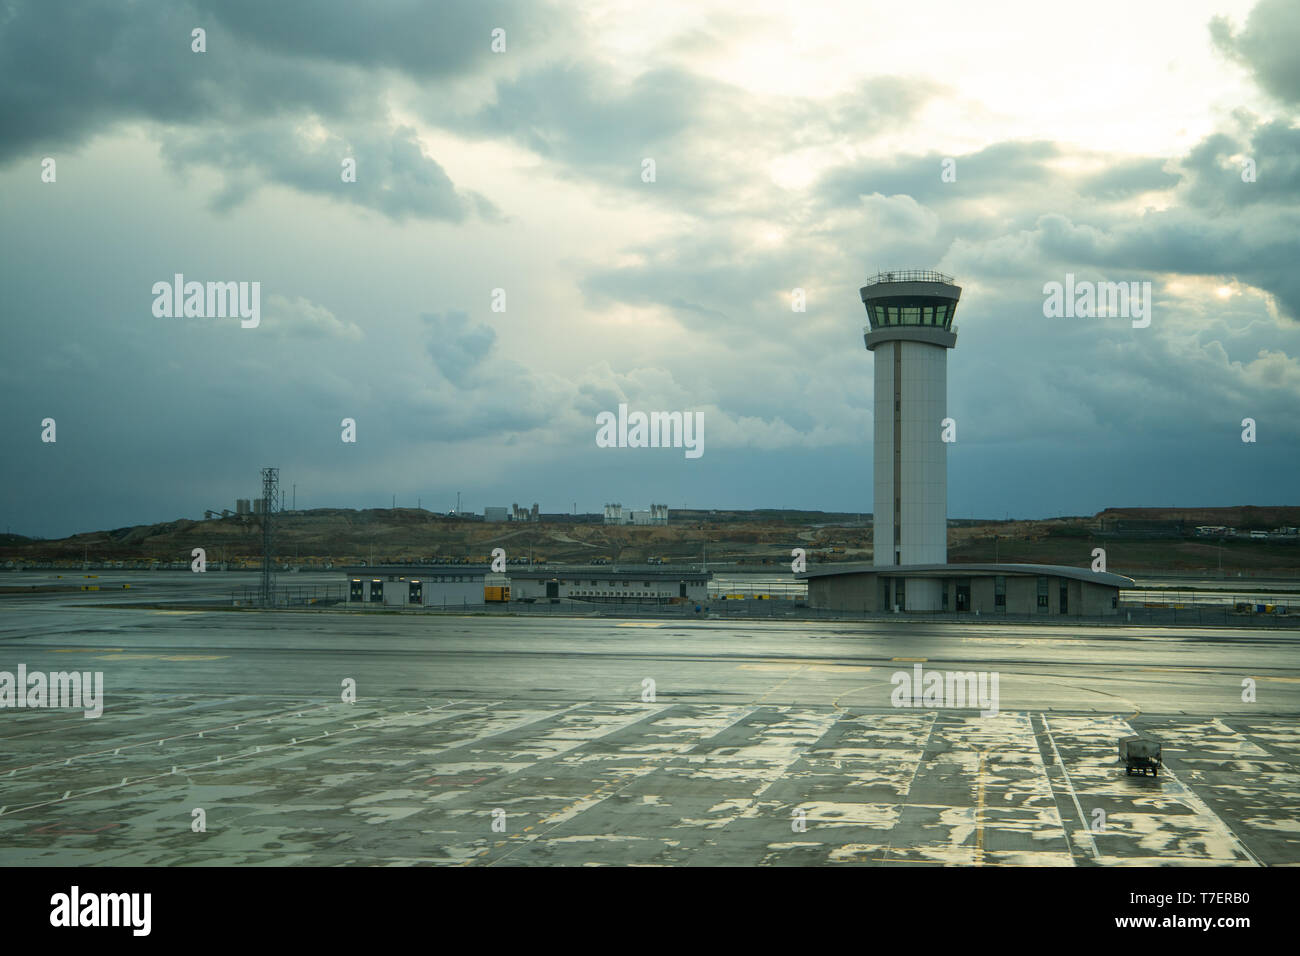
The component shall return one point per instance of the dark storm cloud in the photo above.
(705, 280)
(1216, 165)
(416, 37)
(1258, 249)
(457, 344)
(571, 112)
(393, 174)
(1266, 46)
(1127, 178)
(71, 70)
(480, 394)
(1002, 171)
(701, 132)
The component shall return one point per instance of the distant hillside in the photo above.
(1246, 517)
(1135, 539)
(334, 535)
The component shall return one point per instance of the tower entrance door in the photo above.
(963, 594)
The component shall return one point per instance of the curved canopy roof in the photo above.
(971, 570)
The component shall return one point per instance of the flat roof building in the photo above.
(412, 585)
(417, 585)
(606, 586)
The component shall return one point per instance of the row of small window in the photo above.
(911, 315)
(416, 582)
(999, 594)
(652, 594)
(626, 584)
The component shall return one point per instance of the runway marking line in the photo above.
(1083, 820)
(929, 735)
(163, 657)
(780, 685)
(150, 741)
(238, 756)
(836, 702)
(624, 779)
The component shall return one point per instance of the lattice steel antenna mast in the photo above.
(270, 501)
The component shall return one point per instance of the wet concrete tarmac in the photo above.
(503, 741)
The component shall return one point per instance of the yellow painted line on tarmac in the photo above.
(641, 624)
(815, 668)
(173, 612)
(909, 660)
(979, 813)
(836, 702)
(86, 650)
(779, 686)
(163, 657)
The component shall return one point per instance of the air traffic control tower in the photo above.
(911, 330)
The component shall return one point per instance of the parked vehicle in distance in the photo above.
(1141, 754)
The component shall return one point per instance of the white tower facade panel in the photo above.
(883, 456)
(924, 465)
(914, 376)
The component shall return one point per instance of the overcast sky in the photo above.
(795, 145)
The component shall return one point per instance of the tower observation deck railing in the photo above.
(910, 275)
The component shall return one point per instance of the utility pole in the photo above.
(270, 497)
(458, 502)
(295, 496)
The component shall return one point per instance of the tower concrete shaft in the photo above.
(910, 331)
